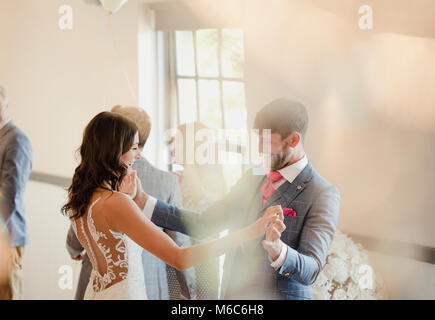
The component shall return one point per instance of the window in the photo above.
(205, 71)
(210, 78)
(209, 86)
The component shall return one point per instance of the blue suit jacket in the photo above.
(247, 271)
(16, 157)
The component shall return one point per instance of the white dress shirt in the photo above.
(288, 173)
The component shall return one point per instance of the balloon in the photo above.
(96, 2)
(113, 5)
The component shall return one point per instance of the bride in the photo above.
(110, 225)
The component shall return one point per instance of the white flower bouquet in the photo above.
(347, 274)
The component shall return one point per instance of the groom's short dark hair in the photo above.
(283, 116)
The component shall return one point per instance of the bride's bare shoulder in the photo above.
(115, 201)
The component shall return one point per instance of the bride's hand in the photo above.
(272, 215)
(128, 184)
(139, 186)
(141, 197)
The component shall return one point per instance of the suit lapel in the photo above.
(284, 195)
(287, 192)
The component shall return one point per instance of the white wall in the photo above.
(403, 278)
(46, 252)
(57, 80)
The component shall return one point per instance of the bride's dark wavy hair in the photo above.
(106, 138)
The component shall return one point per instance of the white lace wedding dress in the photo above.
(117, 271)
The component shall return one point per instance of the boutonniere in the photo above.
(289, 212)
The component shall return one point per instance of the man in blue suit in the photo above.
(287, 262)
(15, 166)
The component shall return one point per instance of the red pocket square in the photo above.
(289, 212)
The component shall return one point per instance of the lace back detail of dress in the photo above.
(106, 249)
(117, 270)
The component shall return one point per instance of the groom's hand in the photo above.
(273, 244)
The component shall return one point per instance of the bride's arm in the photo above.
(124, 216)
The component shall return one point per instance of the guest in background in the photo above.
(16, 157)
(201, 186)
(163, 282)
(77, 253)
(5, 255)
(160, 279)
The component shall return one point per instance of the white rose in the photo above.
(353, 291)
(353, 251)
(366, 295)
(356, 259)
(339, 294)
(341, 270)
(329, 272)
(338, 244)
(342, 254)
(354, 273)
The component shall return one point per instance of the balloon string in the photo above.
(118, 53)
(107, 67)
(109, 22)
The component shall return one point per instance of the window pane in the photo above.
(209, 103)
(232, 53)
(234, 105)
(185, 56)
(187, 100)
(207, 52)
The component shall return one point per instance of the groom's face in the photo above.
(280, 150)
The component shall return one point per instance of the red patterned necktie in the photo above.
(267, 189)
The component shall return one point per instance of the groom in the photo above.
(287, 262)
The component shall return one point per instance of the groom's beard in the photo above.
(280, 160)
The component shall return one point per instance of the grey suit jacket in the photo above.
(247, 271)
(161, 185)
(162, 281)
(16, 158)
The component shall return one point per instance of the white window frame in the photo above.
(197, 77)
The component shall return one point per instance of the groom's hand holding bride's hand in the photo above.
(129, 183)
(273, 244)
(141, 196)
(271, 216)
